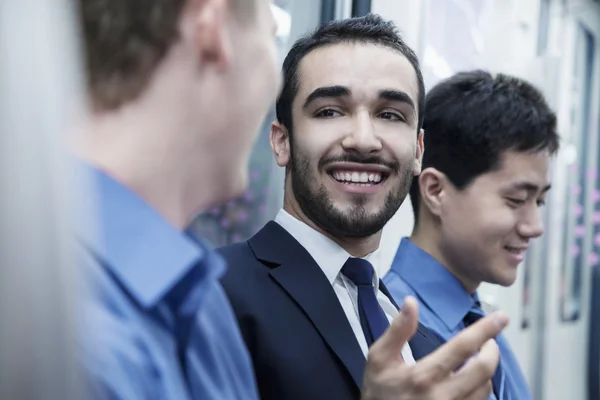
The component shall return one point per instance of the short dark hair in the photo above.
(473, 118)
(370, 28)
(125, 40)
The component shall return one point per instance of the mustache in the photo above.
(360, 159)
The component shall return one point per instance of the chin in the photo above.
(231, 187)
(507, 279)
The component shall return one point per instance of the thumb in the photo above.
(387, 348)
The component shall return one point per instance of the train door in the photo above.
(571, 255)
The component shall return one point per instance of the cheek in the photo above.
(485, 227)
(403, 150)
(315, 139)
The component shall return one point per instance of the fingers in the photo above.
(474, 378)
(387, 348)
(453, 354)
(483, 393)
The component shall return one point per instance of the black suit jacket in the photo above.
(300, 341)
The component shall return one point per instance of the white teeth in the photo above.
(375, 177)
(358, 177)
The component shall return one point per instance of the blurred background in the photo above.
(555, 303)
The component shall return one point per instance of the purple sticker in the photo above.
(576, 190)
(575, 250)
(592, 174)
(580, 231)
(242, 216)
(578, 210)
(596, 217)
(249, 195)
(597, 239)
(594, 259)
(596, 196)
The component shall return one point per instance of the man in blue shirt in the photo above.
(177, 90)
(488, 143)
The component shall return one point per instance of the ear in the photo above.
(432, 185)
(280, 143)
(211, 36)
(419, 153)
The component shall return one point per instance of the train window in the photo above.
(544, 22)
(241, 218)
(580, 181)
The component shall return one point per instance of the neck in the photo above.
(147, 145)
(356, 247)
(426, 236)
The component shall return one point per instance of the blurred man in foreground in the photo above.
(177, 91)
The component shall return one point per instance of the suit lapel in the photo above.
(385, 291)
(300, 276)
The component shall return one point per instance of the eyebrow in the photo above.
(326, 92)
(530, 187)
(398, 96)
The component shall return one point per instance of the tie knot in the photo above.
(474, 314)
(359, 271)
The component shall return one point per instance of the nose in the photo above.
(363, 137)
(532, 225)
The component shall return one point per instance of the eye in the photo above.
(391, 116)
(327, 113)
(515, 202)
(541, 203)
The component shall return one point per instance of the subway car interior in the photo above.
(555, 303)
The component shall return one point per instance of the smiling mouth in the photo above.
(516, 250)
(359, 178)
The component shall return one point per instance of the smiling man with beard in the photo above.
(305, 289)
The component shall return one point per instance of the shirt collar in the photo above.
(434, 284)
(329, 255)
(138, 246)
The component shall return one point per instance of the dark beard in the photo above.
(318, 207)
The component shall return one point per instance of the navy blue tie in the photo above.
(498, 381)
(372, 318)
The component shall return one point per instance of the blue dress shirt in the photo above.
(154, 320)
(443, 303)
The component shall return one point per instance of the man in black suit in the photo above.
(305, 289)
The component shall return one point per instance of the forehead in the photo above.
(521, 167)
(364, 68)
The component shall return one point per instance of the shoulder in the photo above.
(245, 276)
(114, 356)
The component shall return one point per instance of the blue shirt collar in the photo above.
(145, 253)
(435, 285)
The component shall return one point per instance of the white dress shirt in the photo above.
(331, 257)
